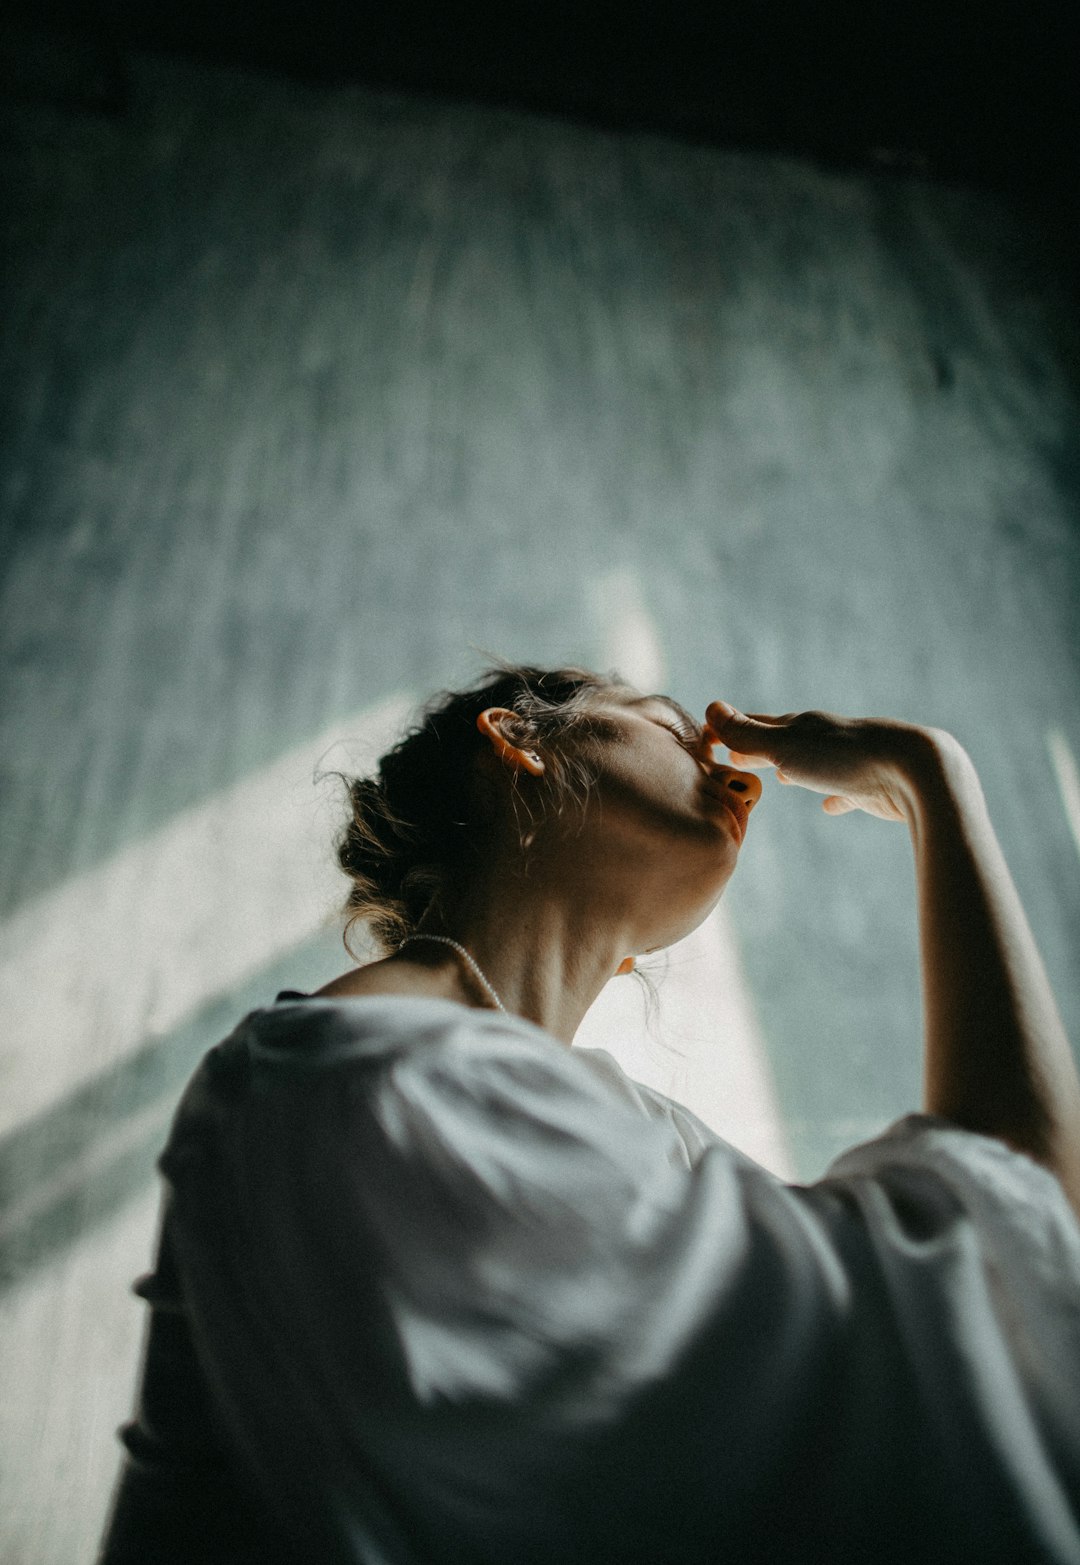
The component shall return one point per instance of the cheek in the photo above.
(658, 791)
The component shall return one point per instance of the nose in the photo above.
(745, 785)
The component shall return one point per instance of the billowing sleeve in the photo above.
(973, 1254)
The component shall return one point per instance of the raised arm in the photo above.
(997, 1059)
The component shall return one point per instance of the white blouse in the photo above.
(461, 1294)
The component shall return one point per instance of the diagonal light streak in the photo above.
(127, 950)
(709, 1053)
(1068, 779)
(705, 1007)
(629, 639)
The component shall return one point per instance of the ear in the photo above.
(491, 723)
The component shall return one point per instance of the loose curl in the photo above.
(417, 829)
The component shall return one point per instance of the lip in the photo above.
(733, 810)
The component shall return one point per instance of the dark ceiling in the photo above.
(973, 93)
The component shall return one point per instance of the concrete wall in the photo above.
(311, 392)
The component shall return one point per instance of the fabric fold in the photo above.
(460, 1294)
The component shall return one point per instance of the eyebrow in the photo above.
(669, 701)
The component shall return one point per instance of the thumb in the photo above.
(739, 732)
(836, 804)
(722, 712)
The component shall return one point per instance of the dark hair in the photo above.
(417, 827)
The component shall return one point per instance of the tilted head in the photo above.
(566, 768)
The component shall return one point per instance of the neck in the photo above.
(547, 961)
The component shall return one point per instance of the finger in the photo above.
(836, 804)
(724, 712)
(721, 717)
(733, 729)
(721, 714)
(748, 761)
(730, 725)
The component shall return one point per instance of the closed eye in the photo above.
(691, 737)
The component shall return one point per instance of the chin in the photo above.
(686, 926)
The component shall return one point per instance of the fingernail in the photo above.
(724, 708)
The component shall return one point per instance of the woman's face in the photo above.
(664, 812)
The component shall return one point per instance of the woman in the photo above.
(433, 1286)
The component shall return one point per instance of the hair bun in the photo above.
(412, 831)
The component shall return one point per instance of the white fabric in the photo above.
(465, 1295)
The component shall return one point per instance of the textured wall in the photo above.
(309, 392)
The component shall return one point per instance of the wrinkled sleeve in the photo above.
(973, 1253)
(458, 1300)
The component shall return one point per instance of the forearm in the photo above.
(997, 1057)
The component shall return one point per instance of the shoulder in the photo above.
(395, 1110)
(405, 1046)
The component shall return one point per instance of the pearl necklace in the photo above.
(446, 941)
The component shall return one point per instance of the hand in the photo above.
(859, 763)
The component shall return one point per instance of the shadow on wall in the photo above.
(68, 1170)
